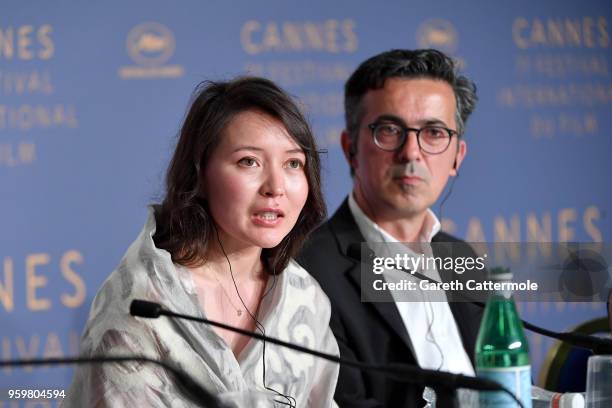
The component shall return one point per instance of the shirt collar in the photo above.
(372, 232)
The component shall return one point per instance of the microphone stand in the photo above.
(446, 397)
(443, 382)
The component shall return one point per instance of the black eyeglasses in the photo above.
(431, 139)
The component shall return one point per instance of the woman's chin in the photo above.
(268, 238)
(268, 244)
(268, 241)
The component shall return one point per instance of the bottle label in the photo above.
(515, 379)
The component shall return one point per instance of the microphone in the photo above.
(142, 308)
(596, 344)
(195, 391)
(443, 382)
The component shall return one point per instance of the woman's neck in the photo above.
(234, 298)
(245, 262)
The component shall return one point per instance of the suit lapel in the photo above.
(347, 232)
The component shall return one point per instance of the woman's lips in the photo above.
(268, 217)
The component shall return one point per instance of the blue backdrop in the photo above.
(92, 96)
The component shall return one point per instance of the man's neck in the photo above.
(403, 227)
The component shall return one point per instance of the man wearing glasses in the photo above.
(405, 117)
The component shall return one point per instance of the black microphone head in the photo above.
(144, 308)
(585, 275)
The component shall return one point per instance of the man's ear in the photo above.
(348, 147)
(461, 152)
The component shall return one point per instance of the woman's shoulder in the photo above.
(301, 275)
(302, 281)
(143, 273)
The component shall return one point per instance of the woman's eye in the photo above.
(247, 162)
(294, 164)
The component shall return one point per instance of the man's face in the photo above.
(406, 182)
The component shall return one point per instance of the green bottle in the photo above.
(502, 352)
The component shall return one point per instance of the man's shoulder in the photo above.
(447, 242)
(322, 234)
(326, 247)
(325, 236)
(445, 237)
(322, 243)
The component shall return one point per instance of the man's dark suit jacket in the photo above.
(371, 333)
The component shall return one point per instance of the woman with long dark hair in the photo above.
(242, 193)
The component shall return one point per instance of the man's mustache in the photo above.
(413, 169)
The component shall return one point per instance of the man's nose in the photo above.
(410, 150)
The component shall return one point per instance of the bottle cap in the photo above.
(499, 273)
(571, 400)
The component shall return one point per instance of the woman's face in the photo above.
(255, 182)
